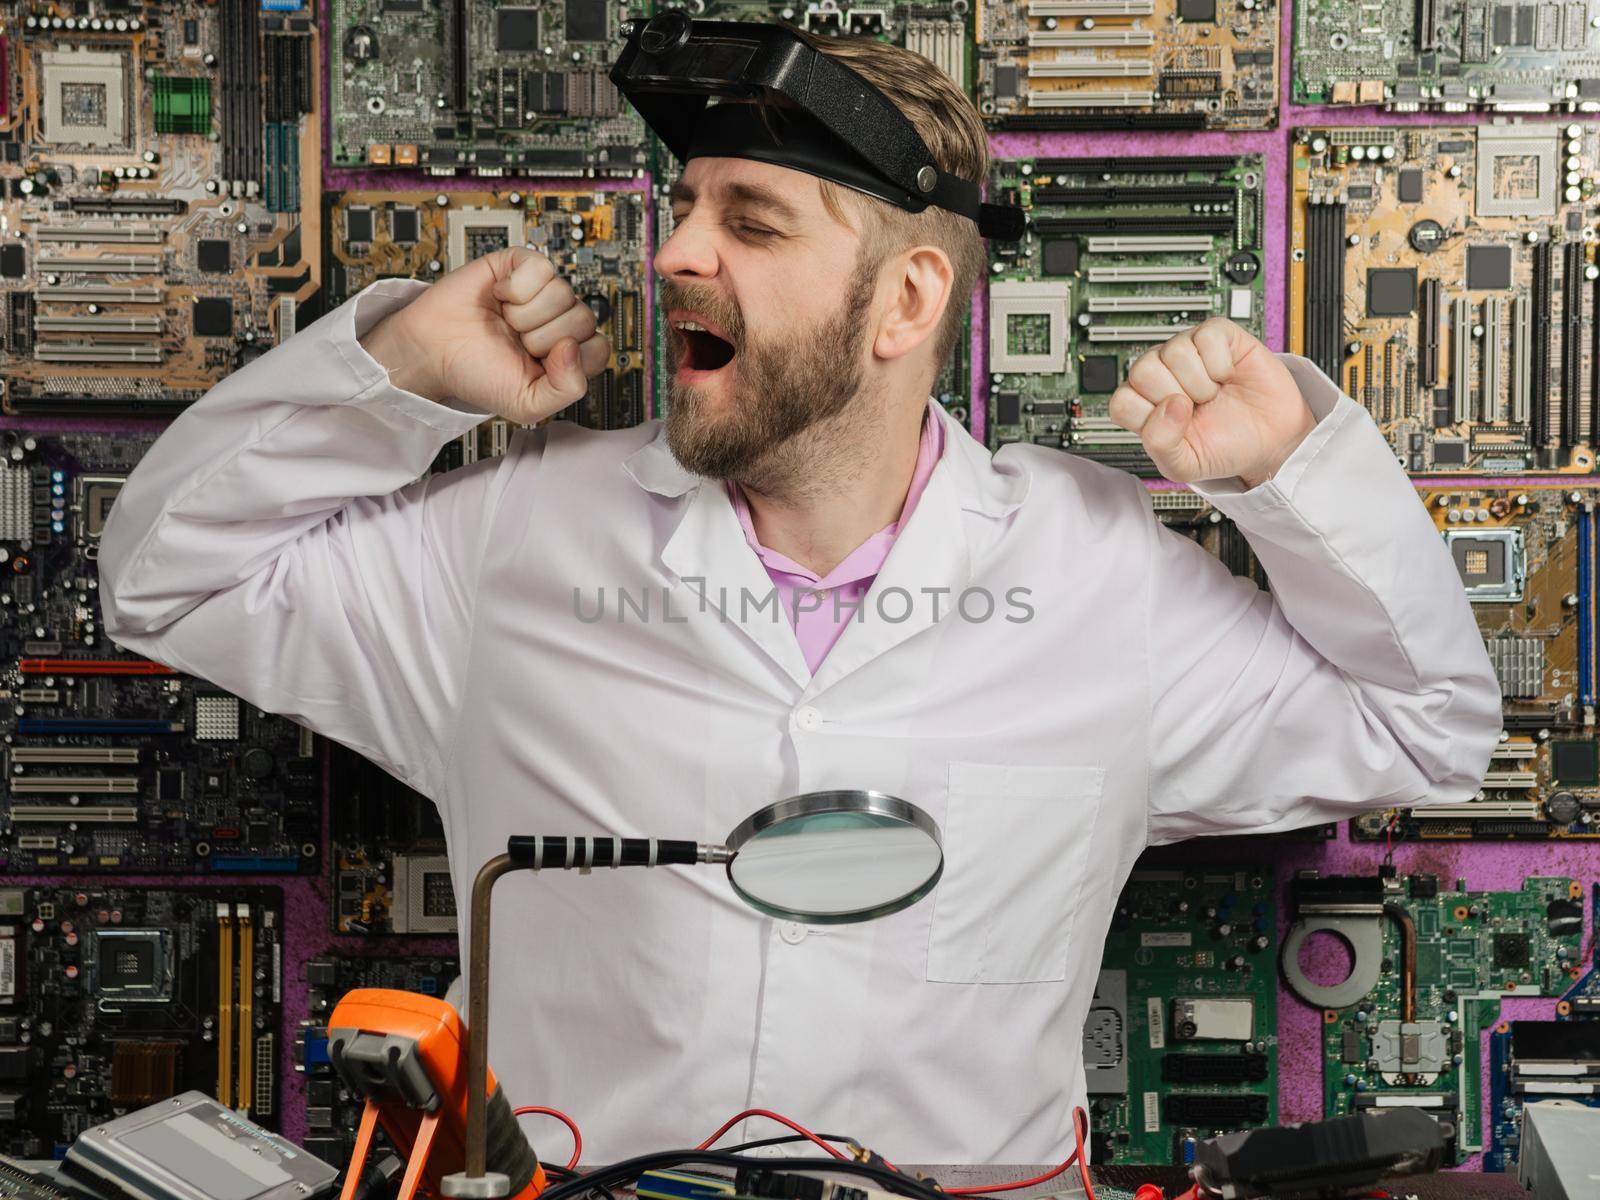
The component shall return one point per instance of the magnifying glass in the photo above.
(832, 858)
(825, 858)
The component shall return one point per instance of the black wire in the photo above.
(630, 1170)
(779, 1141)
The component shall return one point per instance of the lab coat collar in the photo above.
(982, 485)
(709, 553)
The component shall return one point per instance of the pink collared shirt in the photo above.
(820, 620)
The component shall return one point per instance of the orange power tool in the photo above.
(407, 1055)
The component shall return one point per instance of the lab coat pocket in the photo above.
(1016, 845)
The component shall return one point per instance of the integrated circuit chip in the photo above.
(1060, 256)
(214, 256)
(1097, 374)
(516, 29)
(213, 317)
(1391, 291)
(1488, 267)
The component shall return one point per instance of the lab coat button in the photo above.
(807, 718)
(792, 932)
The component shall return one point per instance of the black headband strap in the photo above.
(802, 143)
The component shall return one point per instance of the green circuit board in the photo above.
(481, 89)
(1451, 55)
(1180, 1041)
(1472, 949)
(939, 30)
(1120, 255)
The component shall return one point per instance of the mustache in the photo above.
(707, 301)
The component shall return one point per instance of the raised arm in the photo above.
(1361, 681)
(277, 541)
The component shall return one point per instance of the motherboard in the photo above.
(1527, 561)
(448, 87)
(160, 175)
(1180, 1042)
(114, 762)
(114, 998)
(332, 1111)
(1449, 55)
(1120, 254)
(390, 872)
(1536, 1060)
(1131, 64)
(1428, 968)
(595, 239)
(1446, 279)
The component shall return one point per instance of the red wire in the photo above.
(577, 1138)
(772, 1116)
(1080, 1124)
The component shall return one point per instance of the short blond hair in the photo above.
(950, 126)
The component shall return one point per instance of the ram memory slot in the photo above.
(1571, 343)
(1539, 360)
(1460, 358)
(1489, 350)
(1324, 285)
(1521, 359)
(246, 993)
(242, 140)
(225, 1005)
(1586, 550)
(282, 183)
(1594, 368)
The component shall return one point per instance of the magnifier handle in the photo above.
(536, 851)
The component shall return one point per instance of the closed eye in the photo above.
(755, 231)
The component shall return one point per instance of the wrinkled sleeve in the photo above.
(1360, 681)
(276, 540)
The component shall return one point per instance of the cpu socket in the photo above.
(84, 98)
(1516, 172)
(472, 233)
(1491, 562)
(1028, 327)
(95, 494)
(130, 966)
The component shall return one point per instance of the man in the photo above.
(1018, 647)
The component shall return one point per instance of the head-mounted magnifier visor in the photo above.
(846, 130)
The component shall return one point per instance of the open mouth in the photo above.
(702, 349)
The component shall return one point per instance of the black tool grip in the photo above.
(538, 851)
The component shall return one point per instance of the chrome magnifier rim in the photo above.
(811, 804)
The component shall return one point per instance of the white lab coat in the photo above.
(272, 541)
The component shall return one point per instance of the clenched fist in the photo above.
(502, 333)
(1212, 403)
